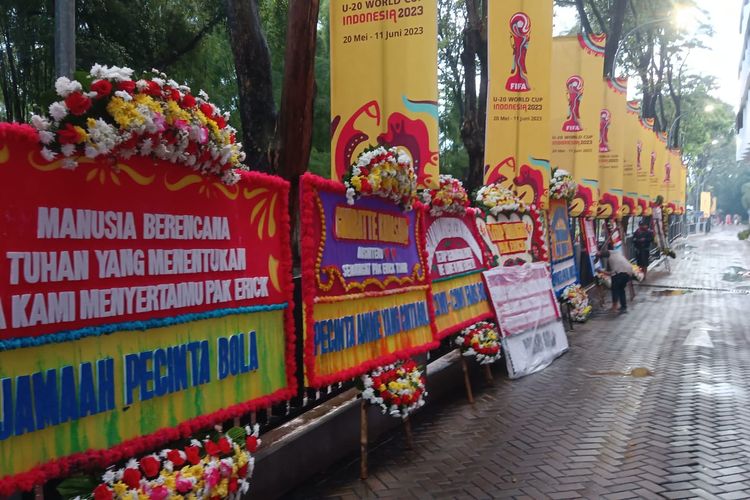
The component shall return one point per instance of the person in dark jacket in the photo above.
(642, 239)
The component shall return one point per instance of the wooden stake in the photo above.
(363, 440)
(488, 375)
(467, 382)
(407, 432)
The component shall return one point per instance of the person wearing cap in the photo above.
(621, 272)
(642, 239)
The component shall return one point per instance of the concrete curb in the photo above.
(318, 439)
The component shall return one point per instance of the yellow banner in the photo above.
(347, 336)
(612, 125)
(519, 40)
(458, 301)
(629, 181)
(657, 187)
(672, 178)
(705, 203)
(645, 163)
(100, 391)
(576, 101)
(384, 82)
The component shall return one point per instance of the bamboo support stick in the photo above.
(408, 433)
(467, 382)
(363, 439)
(488, 375)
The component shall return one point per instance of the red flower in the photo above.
(193, 454)
(233, 484)
(174, 94)
(188, 101)
(152, 89)
(220, 121)
(175, 457)
(211, 448)
(68, 135)
(102, 88)
(251, 444)
(243, 471)
(126, 85)
(224, 446)
(207, 110)
(150, 466)
(102, 492)
(77, 103)
(132, 477)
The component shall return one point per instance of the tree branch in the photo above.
(173, 56)
(584, 17)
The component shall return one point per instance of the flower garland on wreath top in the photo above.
(562, 186)
(388, 173)
(119, 117)
(398, 389)
(208, 469)
(576, 296)
(495, 199)
(448, 199)
(481, 340)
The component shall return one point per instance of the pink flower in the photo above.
(212, 477)
(183, 485)
(159, 493)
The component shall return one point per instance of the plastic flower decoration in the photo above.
(603, 279)
(562, 186)
(205, 469)
(450, 198)
(481, 340)
(119, 117)
(388, 173)
(637, 273)
(398, 389)
(576, 296)
(495, 199)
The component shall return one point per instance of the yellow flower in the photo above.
(120, 488)
(148, 102)
(175, 112)
(82, 135)
(143, 496)
(125, 113)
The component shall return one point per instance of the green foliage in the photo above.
(743, 235)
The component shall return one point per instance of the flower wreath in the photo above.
(450, 198)
(562, 186)
(388, 173)
(481, 340)
(398, 389)
(576, 296)
(202, 470)
(120, 117)
(494, 199)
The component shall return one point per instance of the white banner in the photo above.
(529, 316)
(534, 350)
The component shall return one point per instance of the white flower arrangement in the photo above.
(562, 186)
(399, 388)
(576, 296)
(481, 340)
(497, 199)
(388, 173)
(156, 117)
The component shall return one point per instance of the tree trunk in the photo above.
(252, 62)
(473, 126)
(614, 34)
(297, 98)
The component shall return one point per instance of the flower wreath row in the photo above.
(398, 388)
(481, 340)
(576, 296)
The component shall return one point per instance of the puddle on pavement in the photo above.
(669, 292)
(735, 274)
(638, 372)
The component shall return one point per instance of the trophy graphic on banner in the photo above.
(520, 27)
(574, 87)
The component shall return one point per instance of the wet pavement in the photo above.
(649, 404)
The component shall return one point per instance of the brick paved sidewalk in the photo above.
(582, 427)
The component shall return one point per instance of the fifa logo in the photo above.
(520, 27)
(638, 149)
(574, 87)
(652, 172)
(604, 118)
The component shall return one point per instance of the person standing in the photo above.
(642, 239)
(621, 272)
